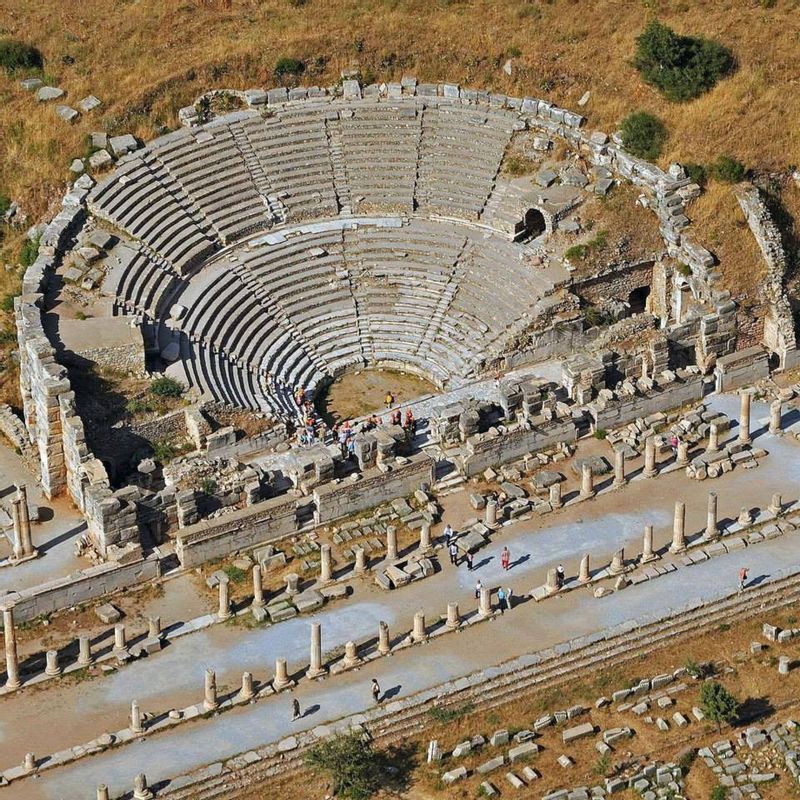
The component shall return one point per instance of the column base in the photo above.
(312, 674)
(648, 559)
(650, 474)
(677, 550)
(282, 685)
(14, 560)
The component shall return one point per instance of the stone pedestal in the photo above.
(583, 572)
(154, 627)
(258, 587)
(552, 581)
(490, 513)
(418, 632)
(315, 668)
(784, 665)
(10, 638)
(292, 579)
(102, 791)
(360, 566)
(453, 617)
(679, 529)
(485, 602)
(745, 518)
(555, 495)
(617, 566)
(246, 692)
(140, 788)
(384, 645)
(713, 438)
(210, 695)
(425, 537)
(325, 566)
(281, 680)
(84, 650)
(711, 518)
(587, 481)
(650, 469)
(224, 611)
(29, 763)
(391, 543)
(23, 544)
(137, 725)
(776, 504)
(775, 413)
(647, 545)
(619, 468)
(744, 419)
(682, 459)
(120, 640)
(351, 658)
(52, 668)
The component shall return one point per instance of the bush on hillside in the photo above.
(728, 170)
(349, 762)
(643, 135)
(289, 67)
(5, 204)
(15, 55)
(28, 252)
(697, 173)
(166, 387)
(680, 67)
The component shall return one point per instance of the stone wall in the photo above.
(241, 530)
(779, 331)
(488, 450)
(88, 584)
(616, 280)
(741, 368)
(340, 499)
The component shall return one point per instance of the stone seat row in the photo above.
(137, 282)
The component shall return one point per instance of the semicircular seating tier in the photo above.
(281, 248)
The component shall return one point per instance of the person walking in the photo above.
(296, 709)
(501, 600)
(376, 690)
(478, 587)
(453, 553)
(742, 578)
(389, 399)
(448, 535)
(505, 558)
(468, 558)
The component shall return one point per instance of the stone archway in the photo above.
(637, 299)
(533, 223)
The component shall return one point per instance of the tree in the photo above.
(15, 55)
(350, 762)
(718, 704)
(643, 135)
(680, 67)
(728, 170)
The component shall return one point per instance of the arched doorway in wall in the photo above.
(637, 299)
(533, 224)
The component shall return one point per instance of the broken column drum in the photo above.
(619, 467)
(744, 419)
(650, 469)
(711, 518)
(679, 528)
(587, 480)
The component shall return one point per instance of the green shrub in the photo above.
(7, 303)
(28, 252)
(728, 170)
(680, 67)
(208, 486)
(289, 67)
(235, 575)
(166, 387)
(15, 55)
(718, 793)
(643, 135)
(137, 406)
(697, 173)
(163, 452)
(718, 704)
(577, 252)
(447, 715)
(595, 317)
(350, 763)
(684, 270)
(600, 433)
(5, 204)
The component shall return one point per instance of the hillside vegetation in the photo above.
(144, 59)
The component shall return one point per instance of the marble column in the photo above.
(650, 468)
(210, 695)
(281, 680)
(315, 668)
(453, 617)
(84, 650)
(425, 537)
(246, 692)
(418, 633)
(679, 528)
(490, 513)
(555, 495)
(617, 565)
(361, 560)
(485, 602)
(102, 791)
(29, 763)
(384, 645)
(587, 481)
(292, 579)
(584, 575)
(258, 587)
(154, 627)
(120, 640)
(391, 543)
(775, 411)
(23, 544)
(137, 726)
(224, 611)
(552, 581)
(647, 545)
(713, 438)
(52, 667)
(10, 638)
(744, 419)
(325, 566)
(619, 468)
(711, 517)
